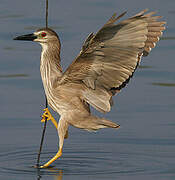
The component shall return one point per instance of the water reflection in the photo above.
(58, 175)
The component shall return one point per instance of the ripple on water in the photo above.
(34, 28)
(163, 84)
(85, 162)
(145, 67)
(13, 75)
(9, 16)
(168, 38)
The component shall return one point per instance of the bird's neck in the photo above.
(50, 67)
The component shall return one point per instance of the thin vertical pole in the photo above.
(47, 13)
(42, 140)
(45, 123)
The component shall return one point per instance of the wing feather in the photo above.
(109, 58)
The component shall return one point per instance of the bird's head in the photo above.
(43, 36)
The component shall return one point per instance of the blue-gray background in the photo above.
(144, 146)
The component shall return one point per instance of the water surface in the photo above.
(144, 146)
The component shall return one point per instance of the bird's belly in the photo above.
(63, 101)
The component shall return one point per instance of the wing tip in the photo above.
(113, 19)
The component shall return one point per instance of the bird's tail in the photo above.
(92, 123)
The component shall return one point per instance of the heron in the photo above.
(105, 64)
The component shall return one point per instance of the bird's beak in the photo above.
(27, 37)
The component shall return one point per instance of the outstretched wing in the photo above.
(109, 58)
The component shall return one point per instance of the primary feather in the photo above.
(109, 58)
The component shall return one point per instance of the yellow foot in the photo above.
(49, 116)
(58, 154)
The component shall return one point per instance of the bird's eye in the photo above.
(43, 34)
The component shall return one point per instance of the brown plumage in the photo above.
(103, 67)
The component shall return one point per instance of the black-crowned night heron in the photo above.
(103, 67)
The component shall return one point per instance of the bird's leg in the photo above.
(66, 135)
(49, 116)
(58, 154)
(62, 131)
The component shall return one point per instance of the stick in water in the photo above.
(46, 13)
(42, 139)
(45, 123)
